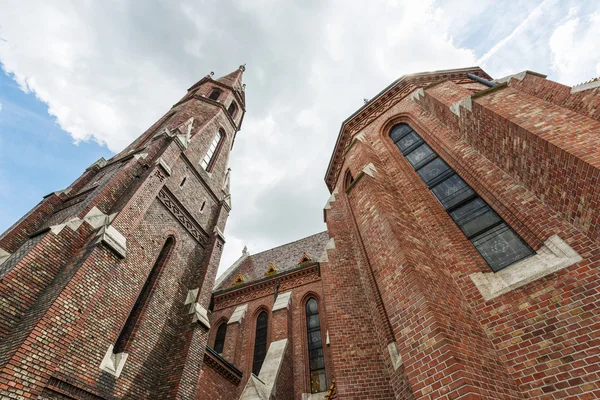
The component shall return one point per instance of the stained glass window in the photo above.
(220, 338)
(497, 243)
(260, 342)
(316, 358)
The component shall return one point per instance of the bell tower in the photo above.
(105, 285)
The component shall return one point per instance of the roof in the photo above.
(393, 93)
(284, 258)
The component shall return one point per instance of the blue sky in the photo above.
(86, 84)
(37, 157)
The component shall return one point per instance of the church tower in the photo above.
(105, 285)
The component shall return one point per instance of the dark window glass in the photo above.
(501, 246)
(434, 171)
(232, 109)
(492, 237)
(420, 156)
(452, 191)
(316, 358)
(398, 131)
(220, 338)
(260, 342)
(474, 217)
(214, 95)
(313, 321)
(408, 142)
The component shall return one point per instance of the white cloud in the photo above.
(108, 71)
(574, 46)
(0, 107)
(532, 18)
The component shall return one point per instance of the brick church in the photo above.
(460, 259)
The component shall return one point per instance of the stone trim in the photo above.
(554, 256)
(395, 356)
(466, 103)
(114, 240)
(282, 301)
(314, 396)
(200, 315)
(238, 314)
(329, 246)
(594, 83)
(3, 255)
(113, 363)
(100, 163)
(160, 162)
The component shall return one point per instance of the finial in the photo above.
(366, 100)
(212, 73)
(243, 67)
(245, 251)
(244, 86)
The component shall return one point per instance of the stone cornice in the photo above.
(388, 97)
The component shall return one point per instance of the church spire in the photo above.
(234, 79)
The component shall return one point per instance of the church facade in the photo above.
(460, 259)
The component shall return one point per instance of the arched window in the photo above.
(497, 243)
(260, 342)
(220, 338)
(232, 109)
(211, 155)
(316, 358)
(137, 312)
(214, 95)
(348, 180)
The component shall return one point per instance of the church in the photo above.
(460, 259)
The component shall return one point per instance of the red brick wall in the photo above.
(213, 385)
(68, 297)
(261, 298)
(534, 163)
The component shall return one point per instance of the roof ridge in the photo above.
(287, 244)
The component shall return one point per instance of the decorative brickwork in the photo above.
(73, 268)
(402, 305)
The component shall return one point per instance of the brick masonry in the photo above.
(402, 315)
(67, 290)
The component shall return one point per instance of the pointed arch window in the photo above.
(137, 312)
(214, 95)
(260, 342)
(232, 110)
(208, 161)
(316, 357)
(220, 338)
(497, 243)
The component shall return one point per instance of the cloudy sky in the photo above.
(81, 79)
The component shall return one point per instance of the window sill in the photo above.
(314, 396)
(554, 256)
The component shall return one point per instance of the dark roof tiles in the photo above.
(283, 258)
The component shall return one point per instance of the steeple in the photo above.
(234, 79)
